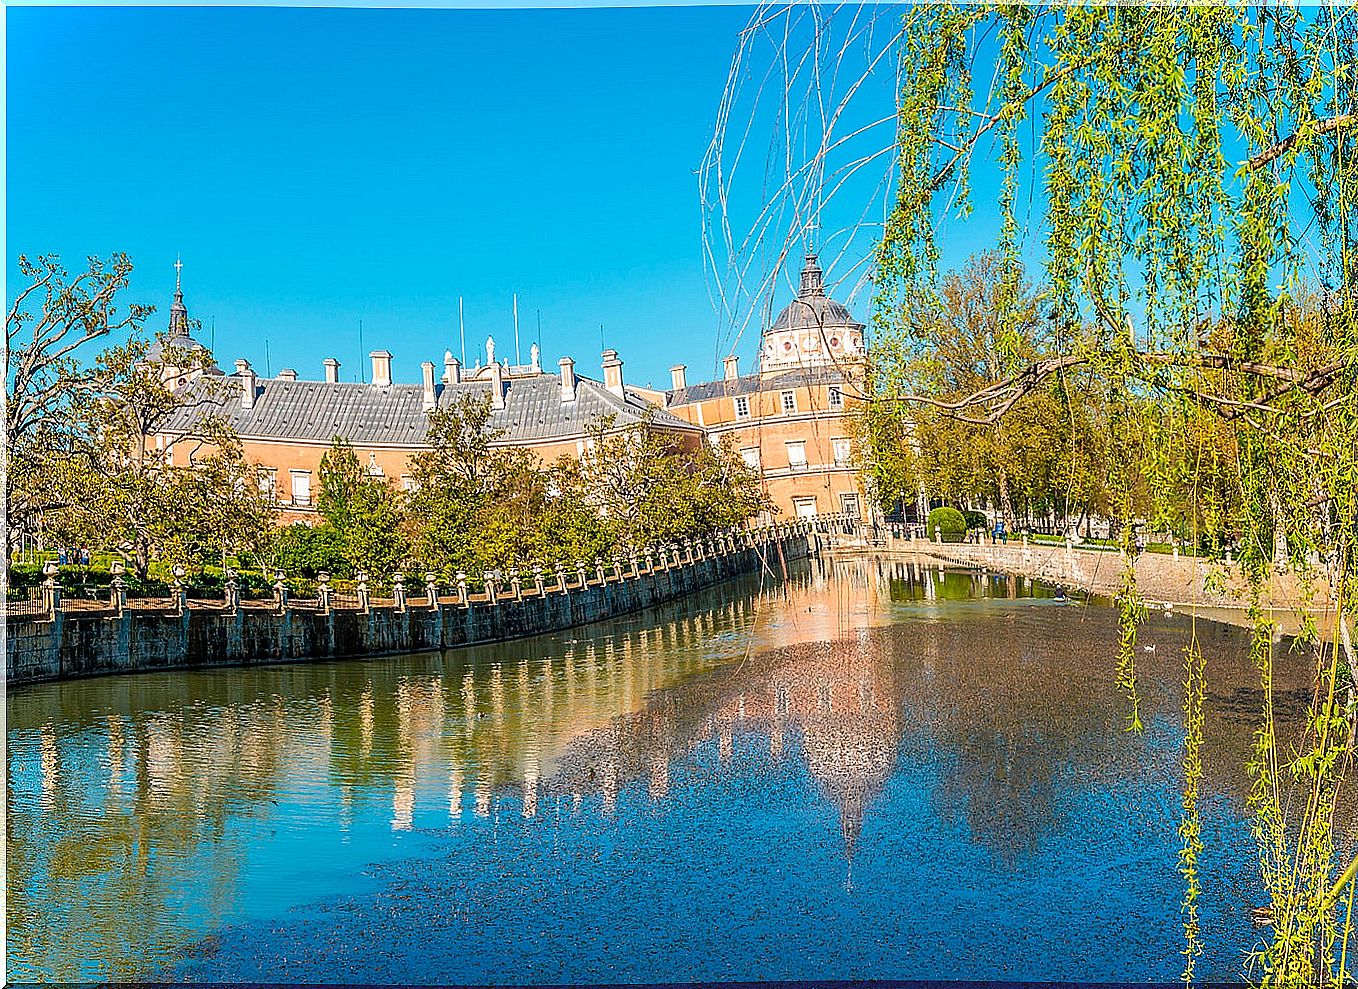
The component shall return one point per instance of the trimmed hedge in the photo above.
(949, 523)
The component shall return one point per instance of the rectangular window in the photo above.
(751, 455)
(408, 483)
(836, 397)
(843, 449)
(742, 407)
(804, 507)
(301, 487)
(796, 454)
(268, 483)
(789, 401)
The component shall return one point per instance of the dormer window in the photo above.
(742, 407)
(789, 399)
(835, 397)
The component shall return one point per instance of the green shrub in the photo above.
(975, 520)
(306, 551)
(949, 523)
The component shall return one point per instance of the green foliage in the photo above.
(951, 523)
(363, 513)
(1195, 163)
(309, 550)
(975, 520)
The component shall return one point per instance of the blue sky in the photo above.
(315, 167)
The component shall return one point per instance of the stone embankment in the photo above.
(62, 641)
(1181, 581)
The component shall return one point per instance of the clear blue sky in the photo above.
(318, 166)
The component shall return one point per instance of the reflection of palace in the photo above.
(148, 790)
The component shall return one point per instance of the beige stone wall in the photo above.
(828, 474)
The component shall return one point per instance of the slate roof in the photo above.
(801, 377)
(393, 415)
(814, 312)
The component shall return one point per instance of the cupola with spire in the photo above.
(179, 339)
(813, 329)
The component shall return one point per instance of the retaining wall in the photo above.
(63, 644)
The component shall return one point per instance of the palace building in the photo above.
(789, 420)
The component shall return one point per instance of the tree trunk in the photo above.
(1006, 511)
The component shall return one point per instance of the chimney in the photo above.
(247, 380)
(381, 367)
(452, 369)
(613, 373)
(567, 379)
(287, 374)
(497, 385)
(431, 400)
(331, 370)
(731, 366)
(677, 377)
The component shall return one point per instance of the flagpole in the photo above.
(518, 357)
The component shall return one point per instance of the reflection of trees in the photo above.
(124, 791)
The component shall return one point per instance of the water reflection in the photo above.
(146, 812)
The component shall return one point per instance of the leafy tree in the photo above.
(51, 321)
(1197, 170)
(366, 513)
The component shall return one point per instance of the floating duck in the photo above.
(1150, 648)
(1262, 916)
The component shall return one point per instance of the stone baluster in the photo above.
(431, 586)
(398, 590)
(516, 583)
(599, 570)
(664, 557)
(323, 590)
(581, 571)
(280, 591)
(636, 564)
(537, 580)
(231, 591)
(617, 568)
(462, 588)
(362, 590)
(688, 549)
(561, 578)
(492, 581)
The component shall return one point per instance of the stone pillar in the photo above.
(492, 587)
(364, 603)
(462, 588)
(231, 591)
(431, 586)
(516, 583)
(580, 572)
(398, 590)
(561, 579)
(599, 570)
(280, 592)
(664, 557)
(537, 580)
(119, 594)
(617, 568)
(632, 558)
(323, 591)
(688, 550)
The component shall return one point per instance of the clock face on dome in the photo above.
(834, 343)
(787, 346)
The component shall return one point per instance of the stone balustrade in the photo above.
(55, 643)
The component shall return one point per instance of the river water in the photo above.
(874, 771)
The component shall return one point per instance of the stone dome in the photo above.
(813, 328)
